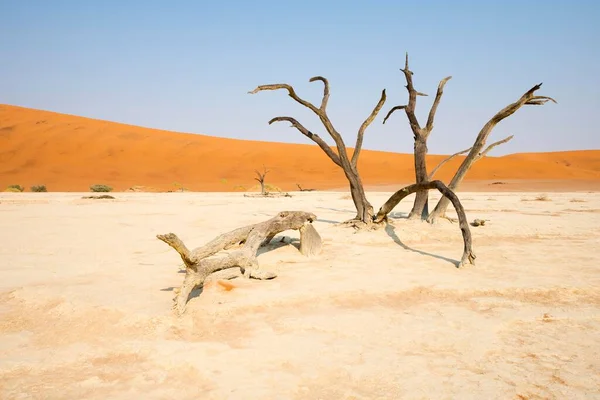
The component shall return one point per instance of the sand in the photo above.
(86, 295)
(69, 153)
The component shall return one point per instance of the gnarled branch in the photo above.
(312, 136)
(395, 108)
(468, 254)
(363, 127)
(434, 106)
(291, 93)
(412, 99)
(325, 90)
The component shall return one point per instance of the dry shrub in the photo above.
(14, 188)
(39, 188)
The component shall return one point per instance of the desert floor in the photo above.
(86, 295)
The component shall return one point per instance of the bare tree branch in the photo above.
(291, 93)
(481, 155)
(325, 90)
(363, 127)
(412, 99)
(444, 161)
(436, 102)
(396, 108)
(314, 137)
(491, 146)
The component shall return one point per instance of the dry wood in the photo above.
(364, 210)
(529, 98)
(468, 254)
(479, 156)
(250, 238)
(421, 134)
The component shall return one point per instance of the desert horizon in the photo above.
(70, 153)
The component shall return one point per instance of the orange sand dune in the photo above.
(69, 153)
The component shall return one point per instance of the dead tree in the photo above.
(261, 178)
(364, 210)
(478, 157)
(529, 98)
(249, 238)
(468, 254)
(420, 206)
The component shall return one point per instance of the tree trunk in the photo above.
(468, 254)
(250, 237)
(262, 187)
(420, 151)
(364, 209)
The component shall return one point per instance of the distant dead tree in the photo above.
(364, 209)
(476, 153)
(421, 134)
(260, 177)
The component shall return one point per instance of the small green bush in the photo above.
(101, 188)
(15, 188)
(39, 188)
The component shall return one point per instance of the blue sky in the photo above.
(188, 65)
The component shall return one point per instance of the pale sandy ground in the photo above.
(86, 295)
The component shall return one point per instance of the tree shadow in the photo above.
(391, 231)
(277, 243)
(195, 293)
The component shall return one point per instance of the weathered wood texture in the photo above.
(468, 254)
(248, 239)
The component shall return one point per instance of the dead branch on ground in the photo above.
(248, 239)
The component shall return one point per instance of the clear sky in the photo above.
(188, 65)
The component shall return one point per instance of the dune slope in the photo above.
(70, 153)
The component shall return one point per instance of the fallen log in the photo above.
(249, 239)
